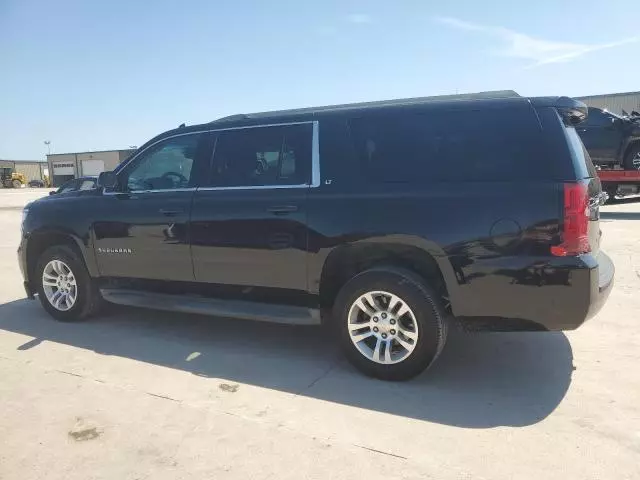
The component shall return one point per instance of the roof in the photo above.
(311, 111)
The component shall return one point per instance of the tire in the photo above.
(16, 184)
(87, 296)
(425, 312)
(632, 159)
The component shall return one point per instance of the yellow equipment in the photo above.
(11, 179)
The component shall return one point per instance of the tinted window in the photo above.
(582, 159)
(483, 145)
(258, 156)
(165, 166)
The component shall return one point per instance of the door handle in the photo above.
(282, 209)
(170, 213)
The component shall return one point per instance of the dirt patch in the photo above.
(84, 430)
(225, 387)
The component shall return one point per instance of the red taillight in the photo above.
(575, 231)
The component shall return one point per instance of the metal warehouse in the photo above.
(31, 169)
(65, 166)
(618, 103)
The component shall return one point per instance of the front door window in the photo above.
(167, 166)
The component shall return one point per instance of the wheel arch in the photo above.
(346, 261)
(40, 240)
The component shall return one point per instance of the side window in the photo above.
(472, 145)
(262, 156)
(165, 166)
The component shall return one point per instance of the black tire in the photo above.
(421, 299)
(632, 155)
(88, 300)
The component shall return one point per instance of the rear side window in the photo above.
(581, 158)
(263, 156)
(481, 145)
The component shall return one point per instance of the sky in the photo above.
(102, 75)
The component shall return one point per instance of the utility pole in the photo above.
(48, 144)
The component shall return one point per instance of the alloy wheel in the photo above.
(382, 327)
(59, 285)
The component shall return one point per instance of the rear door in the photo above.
(249, 224)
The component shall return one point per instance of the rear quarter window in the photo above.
(467, 145)
(581, 159)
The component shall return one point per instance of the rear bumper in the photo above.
(535, 293)
(605, 273)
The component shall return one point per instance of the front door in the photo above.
(249, 225)
(142, 227)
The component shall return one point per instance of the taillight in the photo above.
(575, 231)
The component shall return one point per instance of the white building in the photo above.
(65, 166)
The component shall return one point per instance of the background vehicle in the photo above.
(11, 179)
(36, 184)
(385, 220)
(612, 141)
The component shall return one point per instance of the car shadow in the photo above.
(481, 380)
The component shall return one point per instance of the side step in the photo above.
(264, 312)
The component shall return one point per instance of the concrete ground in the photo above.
(140, 394)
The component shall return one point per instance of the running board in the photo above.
(263, 312)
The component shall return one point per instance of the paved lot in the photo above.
(139, 394)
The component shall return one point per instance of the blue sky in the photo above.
(104, 75)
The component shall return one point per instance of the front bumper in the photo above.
(22, 263)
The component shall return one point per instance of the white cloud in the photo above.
(541, 52)
(360, 18)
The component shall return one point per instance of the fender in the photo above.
(322, 256)
(84, 244)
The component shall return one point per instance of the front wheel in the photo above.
(65, 288)
(392, 326)
(17, 184)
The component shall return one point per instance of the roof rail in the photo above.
(381, 103)
(229, 118)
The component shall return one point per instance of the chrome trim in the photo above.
(160, 190)
(315, 155)
(315, 161)
(137, 154)
(252, 187)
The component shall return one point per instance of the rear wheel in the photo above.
(65, 289)
(632, 159)
(17, 184)
(392, 326)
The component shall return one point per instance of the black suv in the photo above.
(386, 221)
(612, 141)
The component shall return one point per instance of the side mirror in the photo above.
(107, 180)
(52, 192)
